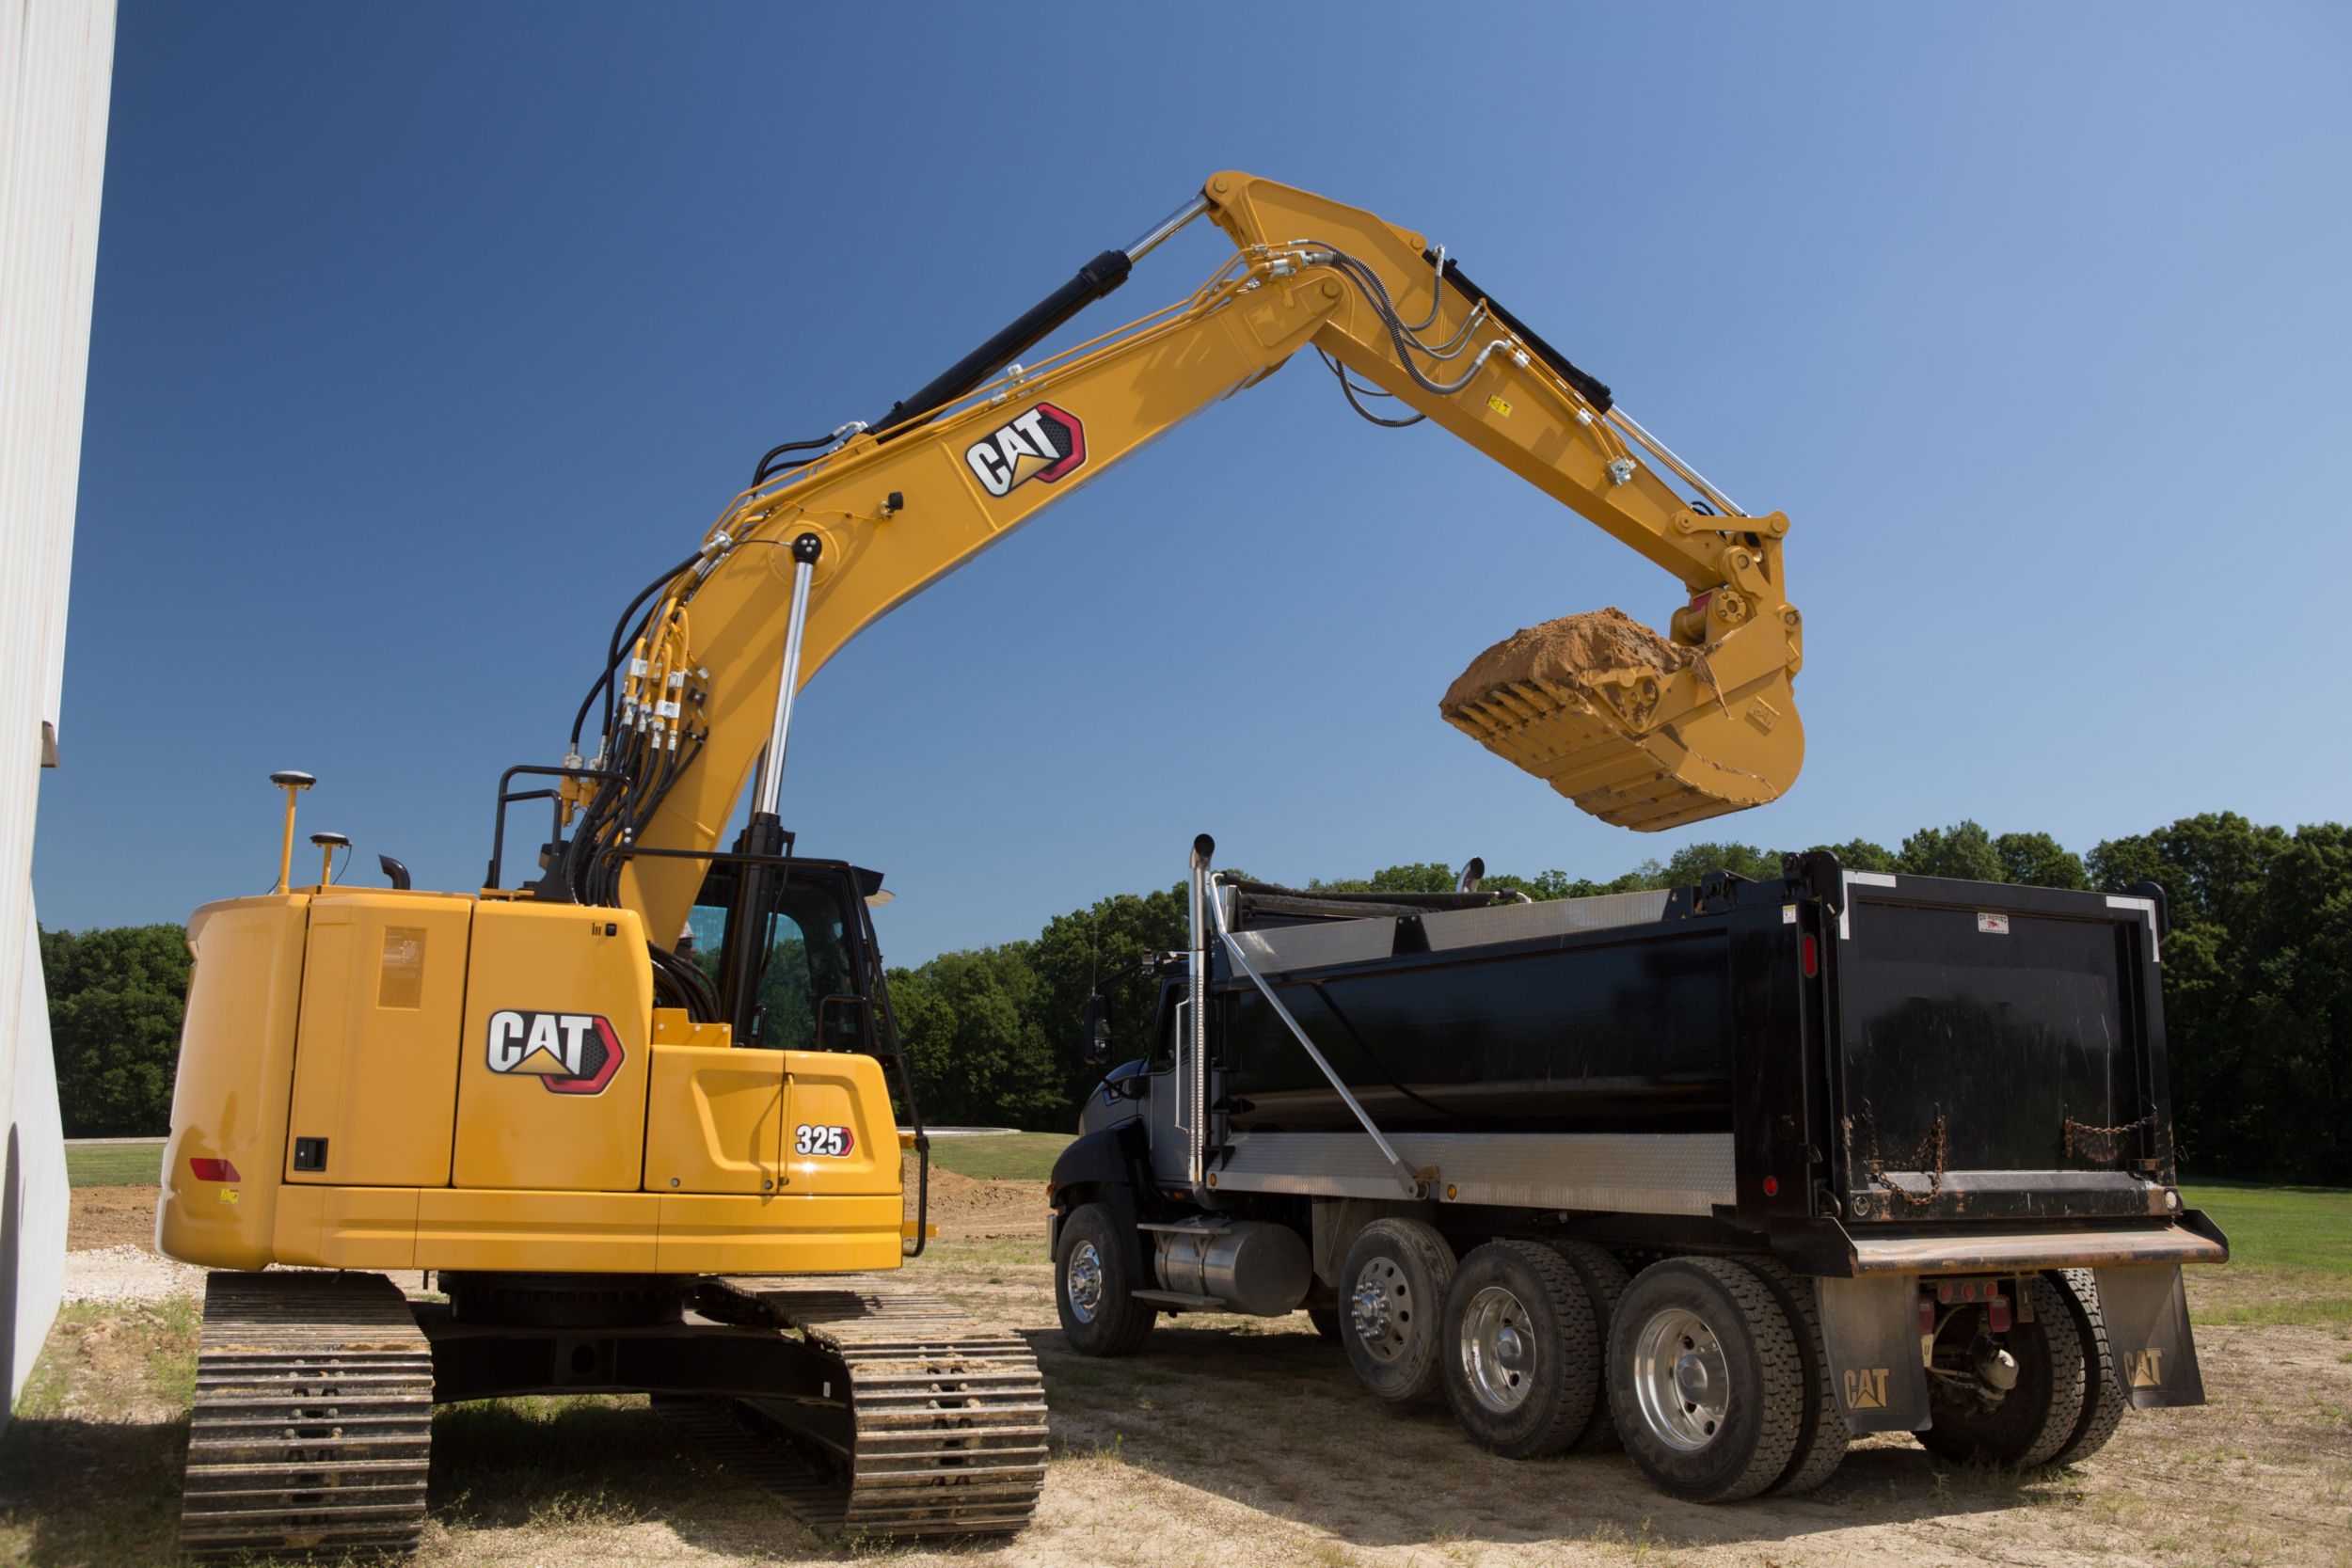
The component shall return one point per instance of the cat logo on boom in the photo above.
(1045, 444)
(569, 1053)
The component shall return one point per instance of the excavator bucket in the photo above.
(1636, 730)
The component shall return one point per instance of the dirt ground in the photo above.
(1229, 1440)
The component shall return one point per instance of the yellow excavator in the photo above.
(632, 1116)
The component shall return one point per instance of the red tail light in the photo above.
(211, 1170)
(1812, 957)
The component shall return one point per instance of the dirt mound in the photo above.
(966, 1208)
(1567, 652)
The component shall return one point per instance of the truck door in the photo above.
(1167, 1115)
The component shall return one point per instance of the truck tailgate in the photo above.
(1995, 1053)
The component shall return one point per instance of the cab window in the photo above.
(808, 994)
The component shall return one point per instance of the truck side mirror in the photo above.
(1098, 1031)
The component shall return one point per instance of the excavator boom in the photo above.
(1642, 730)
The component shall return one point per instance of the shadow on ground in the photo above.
(92, 1492)
(1276, 1421)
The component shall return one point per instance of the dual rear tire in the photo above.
(1710, 1381)
(2067, 1401)
(1709, 1370)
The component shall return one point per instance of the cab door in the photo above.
(726, 1116)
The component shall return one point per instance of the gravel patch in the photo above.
(127, 1273)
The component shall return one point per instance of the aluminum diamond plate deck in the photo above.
(1630, 1173)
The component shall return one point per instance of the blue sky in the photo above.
(425, 334)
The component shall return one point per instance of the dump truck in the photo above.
(1728, 1173)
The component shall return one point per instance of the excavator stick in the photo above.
(1639, 731)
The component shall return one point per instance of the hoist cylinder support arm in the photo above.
(1688, 729)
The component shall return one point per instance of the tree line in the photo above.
(2258, 985)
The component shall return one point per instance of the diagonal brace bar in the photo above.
(1406, 1177)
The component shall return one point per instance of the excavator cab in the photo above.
(802, 949)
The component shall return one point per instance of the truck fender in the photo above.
(1102, 1167)
(1870, 1334)
(1337, 1221)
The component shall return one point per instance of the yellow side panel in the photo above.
(375, 1069)
(554, 1057)
(786, 1234)
(715, 1122)
(236, 1072)
(537, 1231)
(833, 1094)
(348, 1228)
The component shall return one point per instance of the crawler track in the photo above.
(944, 1428)
(313, 1417)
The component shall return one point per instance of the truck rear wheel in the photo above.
(1822, 1436)
(1705, 1379)
(2027, 1425)
(1392, 1307)
(1524, 1353)
(1604, 1280)
(2103, 1397)
(1094, 1288)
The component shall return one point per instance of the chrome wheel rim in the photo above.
(1498, 1350)
(1381, 1310)
(1680, 1380)
(1083, 1282)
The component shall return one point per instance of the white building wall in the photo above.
(57, 63)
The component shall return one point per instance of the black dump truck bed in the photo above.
(1870, 1049)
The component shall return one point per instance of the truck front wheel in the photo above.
(1705, 1379)
(1094, 1293)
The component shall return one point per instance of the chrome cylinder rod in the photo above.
(1659, 450)
(1167, 226)
(769, 785)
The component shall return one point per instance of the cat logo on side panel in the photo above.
(569, 1053)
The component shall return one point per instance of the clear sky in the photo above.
(425, 334)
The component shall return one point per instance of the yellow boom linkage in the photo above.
(1641, 731)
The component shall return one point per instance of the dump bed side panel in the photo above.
(1604, 1032)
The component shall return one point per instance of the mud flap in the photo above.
(2147, 1315)
(1870, 1326)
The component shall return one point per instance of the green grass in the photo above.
(1007, 1157)
(132, 1167)
(2292, 1246)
